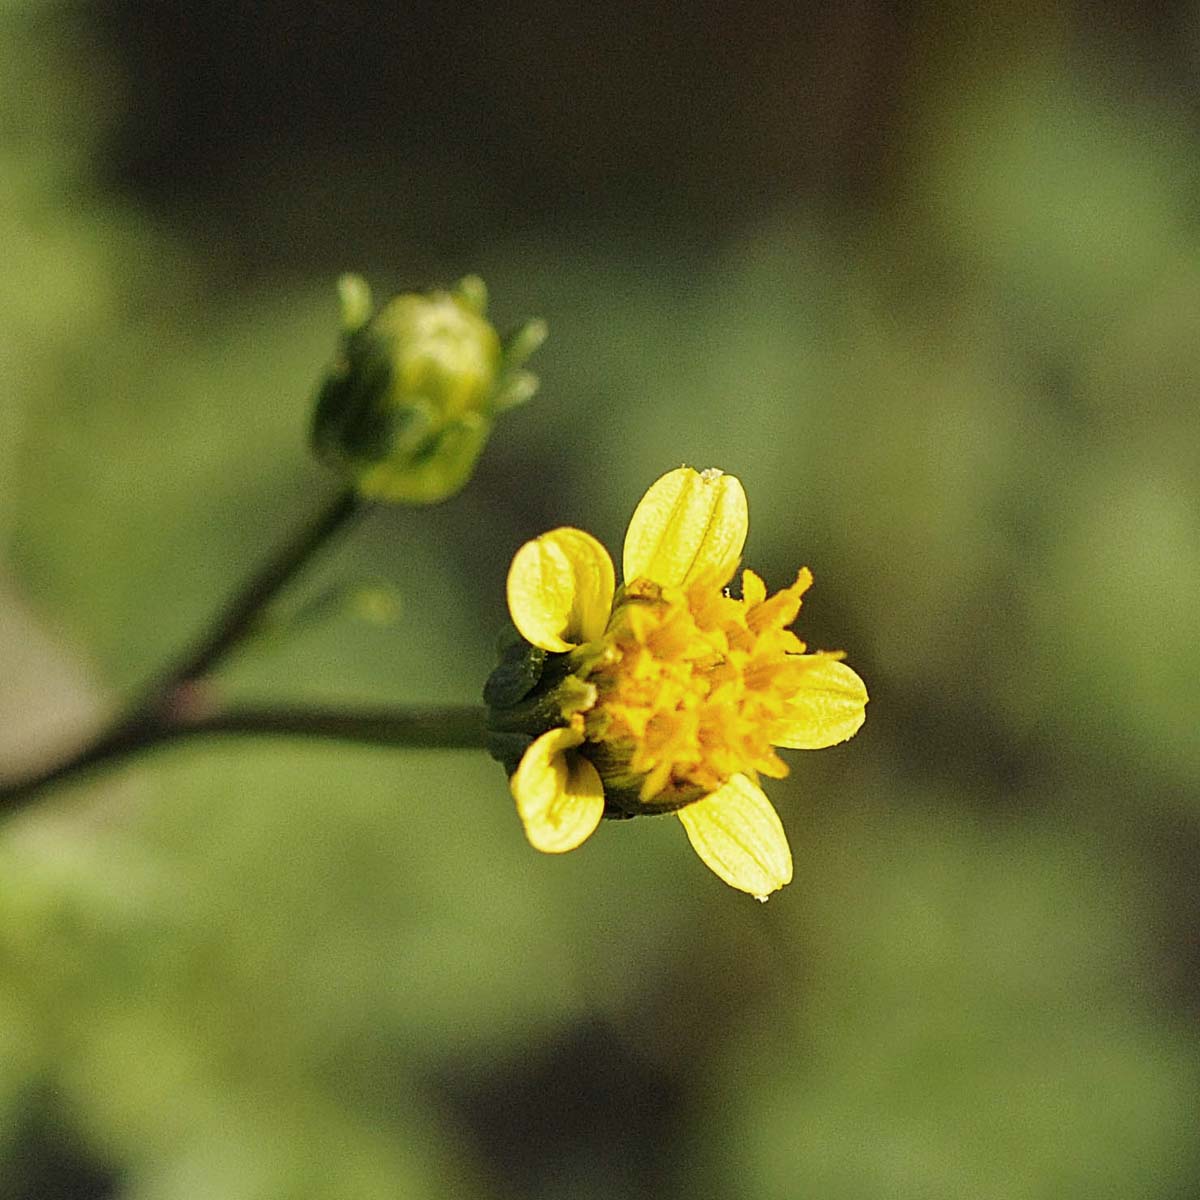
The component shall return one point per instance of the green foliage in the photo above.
(245, 970)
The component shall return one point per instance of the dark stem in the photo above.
(118, 742)
(449, 728)
(459, 727)
(243, 611)
(165, 712)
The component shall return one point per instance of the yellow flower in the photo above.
(667, 694)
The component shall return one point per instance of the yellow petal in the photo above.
(739, 836)
(559, 796)
(690, 525)
(828, 706)
(560, 589)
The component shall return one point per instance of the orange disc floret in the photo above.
(691, 682)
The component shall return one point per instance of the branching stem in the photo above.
(181, 705)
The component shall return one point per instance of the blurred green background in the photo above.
(928, 280)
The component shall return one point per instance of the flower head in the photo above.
(667, 694)
(409, 404)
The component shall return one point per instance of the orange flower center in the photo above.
(690, 685)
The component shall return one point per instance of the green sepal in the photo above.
(524, 343)
(349, 425)
(516, 675)
(439, 464)
(507, 748)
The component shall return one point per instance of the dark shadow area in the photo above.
(579, 1109)
(48, 1161)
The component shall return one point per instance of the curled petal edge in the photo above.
(560, 589)
(559, 796)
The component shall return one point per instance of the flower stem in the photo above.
(449, 728)
(118, 742)
(458, 727)
(167, 708)
(242, 612)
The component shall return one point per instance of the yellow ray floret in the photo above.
(560, 589)
(689, 525)
(559, 795)
(690, 690)
(739, 836)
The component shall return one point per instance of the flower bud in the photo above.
(409, 403)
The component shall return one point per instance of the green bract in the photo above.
(409, 403)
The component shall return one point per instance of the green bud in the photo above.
(409, 403)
